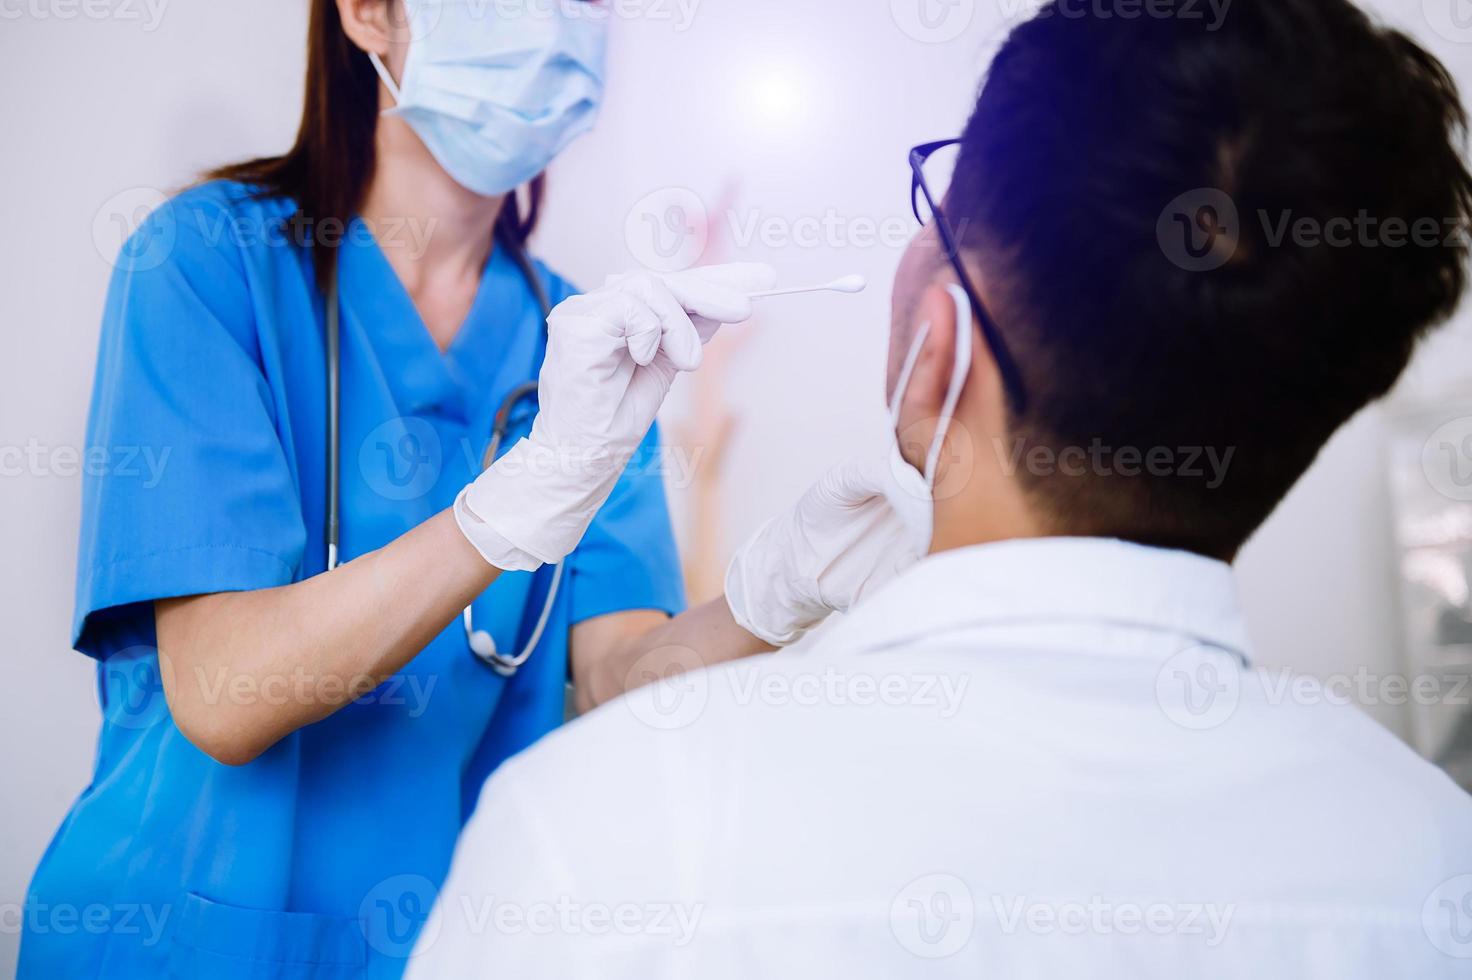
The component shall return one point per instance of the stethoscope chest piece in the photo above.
(483, 645)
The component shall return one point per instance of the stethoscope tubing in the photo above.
(482, 645)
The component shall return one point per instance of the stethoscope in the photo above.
(482, 643)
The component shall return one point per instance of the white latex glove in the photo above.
(612, 356)
(843, 540)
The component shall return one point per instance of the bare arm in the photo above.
(241, 670)
(617, 653)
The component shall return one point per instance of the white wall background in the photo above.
(772, 110)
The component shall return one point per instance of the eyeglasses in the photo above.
(933, 165)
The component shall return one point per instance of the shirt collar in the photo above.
(1052, 582)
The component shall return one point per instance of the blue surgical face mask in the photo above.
(910, 491)
(496, 95)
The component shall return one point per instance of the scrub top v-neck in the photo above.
(321, 858)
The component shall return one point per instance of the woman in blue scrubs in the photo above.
(288, 749)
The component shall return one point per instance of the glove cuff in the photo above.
(534, 504)
(495, 549)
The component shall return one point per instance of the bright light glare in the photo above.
(777, 98)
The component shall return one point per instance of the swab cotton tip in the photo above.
(848, 284)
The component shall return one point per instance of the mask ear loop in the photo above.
(383, 74)
(907, 370)
(960, 369)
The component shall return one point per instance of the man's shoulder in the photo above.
(696, 735)
(798, 741)
(627, 739)
(1414, 791)
(1319, 785)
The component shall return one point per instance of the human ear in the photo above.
(925, 395)
(370, 24)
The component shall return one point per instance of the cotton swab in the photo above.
(848, 284)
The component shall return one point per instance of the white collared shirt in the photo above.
(1031, 759)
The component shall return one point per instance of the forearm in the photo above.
(242, 670)
(702, 637)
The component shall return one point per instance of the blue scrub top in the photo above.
(208, 420)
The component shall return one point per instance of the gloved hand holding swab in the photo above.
(848, 284)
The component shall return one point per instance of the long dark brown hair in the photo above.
(327, 171)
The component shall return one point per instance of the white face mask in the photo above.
(912, 493)
(495, 97)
